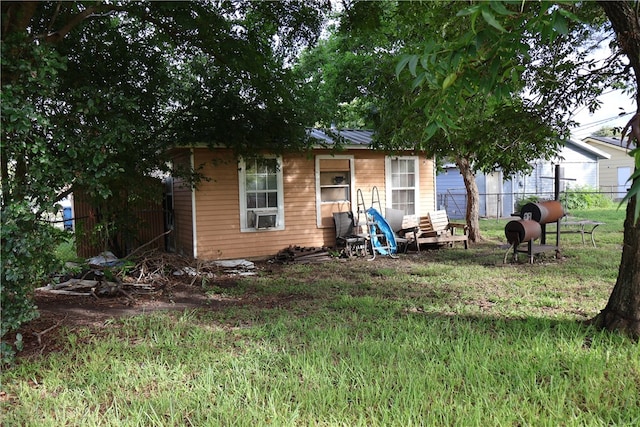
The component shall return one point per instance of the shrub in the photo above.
(584, 198)
(27, 260)
(521, 202)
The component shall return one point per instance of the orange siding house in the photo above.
(253, 208)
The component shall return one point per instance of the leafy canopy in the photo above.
(95, 93)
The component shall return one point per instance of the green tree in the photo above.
(347, 74)
(354, 68)
(94, 93)
(507, 106)
(609, 131)
(500, 51)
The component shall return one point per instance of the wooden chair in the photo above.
(436, 229)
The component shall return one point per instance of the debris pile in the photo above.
(303, 255)
(107, 276)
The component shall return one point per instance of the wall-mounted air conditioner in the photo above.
(263, 220)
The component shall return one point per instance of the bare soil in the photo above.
(60, 314)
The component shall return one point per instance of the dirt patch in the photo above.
(60, 314)
(63, 313)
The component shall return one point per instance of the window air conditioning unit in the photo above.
(264, 220)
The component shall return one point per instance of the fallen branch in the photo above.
(41, 333)
(147, 244)
(126, 294)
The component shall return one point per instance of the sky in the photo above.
(613, 103)
(617, 107)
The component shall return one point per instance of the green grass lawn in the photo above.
(447, 337)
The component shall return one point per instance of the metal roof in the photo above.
(353, 137)
(589, 148)
(616, 142)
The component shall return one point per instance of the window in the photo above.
(402, 184)
(261, 194)
(624, 173)
(334, 187)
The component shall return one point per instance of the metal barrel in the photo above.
(543, 212)
(522, 230)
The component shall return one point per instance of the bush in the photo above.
(27, 260)
(66, 250)
(531, 199)
(584, 198)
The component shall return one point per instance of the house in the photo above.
(616, 170)
(499, 194)
(494, 192)
(255, 207)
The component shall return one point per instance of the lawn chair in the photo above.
(395, 218)
(346, 239)
(435, 228)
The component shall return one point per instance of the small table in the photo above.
(583, 227)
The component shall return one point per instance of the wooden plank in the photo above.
(425, 224)
(334, 165)
(439, 220)
(435, 229)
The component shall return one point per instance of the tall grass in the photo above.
(448, 337)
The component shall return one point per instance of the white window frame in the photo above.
(389, 181)
(352, 186)
(279, 211)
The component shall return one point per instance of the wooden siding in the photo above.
(218, 212)
(427, 186)
(370, 172)
(609, 167)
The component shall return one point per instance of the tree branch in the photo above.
(54, 17)
(60, 34)
(16, 16)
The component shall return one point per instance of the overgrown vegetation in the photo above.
(449, 337)
(584, 197)
(95, 94)
(521, 202)
(580, 197)
(27, 258)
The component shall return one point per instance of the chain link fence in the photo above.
(499, 205)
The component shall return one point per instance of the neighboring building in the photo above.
(499, 194)
(615, 170)
(495, 193)
(257, 207)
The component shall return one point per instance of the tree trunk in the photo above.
(624, 20)
(473, 198)
(622, 312)
(623, 309)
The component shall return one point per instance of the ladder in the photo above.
(361, 207)
(377, 240)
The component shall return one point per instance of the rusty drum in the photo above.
(522, 230)
(543, 212)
